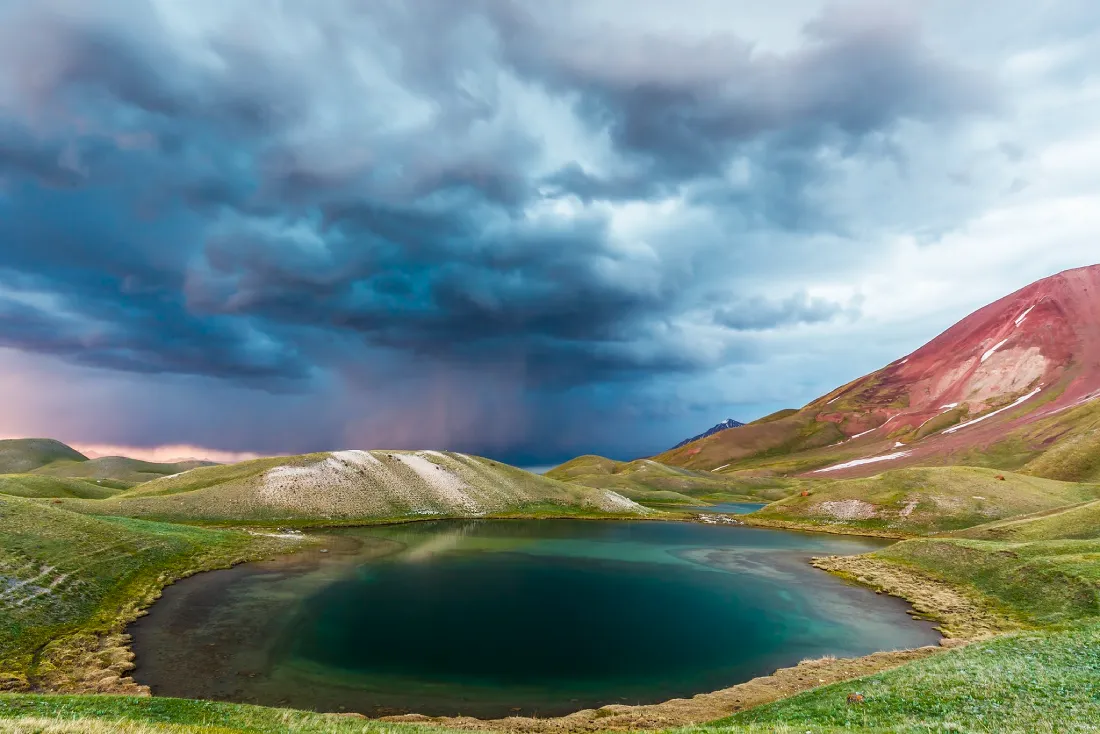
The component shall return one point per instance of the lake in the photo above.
(492, 618)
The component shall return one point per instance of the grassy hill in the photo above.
(117, 468)
(68, 582)
(350, 486)
(21, 455)
(651, 482)
(921, 501)
(33, 485)
(762, 443)
(1075, 522)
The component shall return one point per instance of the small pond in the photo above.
(491, 618)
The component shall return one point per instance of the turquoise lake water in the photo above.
(491, 618)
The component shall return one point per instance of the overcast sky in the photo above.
(522, 229)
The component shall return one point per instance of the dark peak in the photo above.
(724, 425)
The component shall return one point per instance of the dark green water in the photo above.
(489, 618)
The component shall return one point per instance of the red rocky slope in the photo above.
(1029, 355)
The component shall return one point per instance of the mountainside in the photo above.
(19, 455)
(118, 468)
(995, 389)
(724, 425)
(356, 485)
(645, 480)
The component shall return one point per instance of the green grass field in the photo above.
(21, 455)
(1041, 682)
(653, 483)
(118, 468)
(923, 501)
(68, 582)
(34, 485)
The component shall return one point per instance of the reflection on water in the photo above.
(730, 508)
(494, 617)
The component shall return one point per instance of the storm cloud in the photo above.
(288, 198)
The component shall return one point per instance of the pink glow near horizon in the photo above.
(166, 454)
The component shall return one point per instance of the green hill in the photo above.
(350, 486)
(1076, 522)
(68, 582)
(921, 501)
(33, 485)
(651, 482)
(21, 455)
(117, 468)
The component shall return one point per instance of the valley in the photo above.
(954, 493)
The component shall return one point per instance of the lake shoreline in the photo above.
(780, 680)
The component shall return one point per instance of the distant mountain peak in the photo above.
(724, 425)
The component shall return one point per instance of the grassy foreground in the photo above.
(69, 583)
(1039, 682)
(1027, 683)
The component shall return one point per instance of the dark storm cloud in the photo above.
(219, 202)
(680, 109)
(759, 314)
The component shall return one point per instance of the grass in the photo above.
(68, 584)
(653, 483)
(759, 445)
(109, 714)
(1028, 683)
(1022, 553)
(355, 487)
(922, 501)
(117, 468)
(1075, 522)
(33, 485)
(1043, 583)
(20, 455)
(1034, 682)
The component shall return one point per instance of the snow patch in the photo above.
(861, 462)
(949, 406)
(864, 433)
(720, 468)
(898, 445)
(996, 346)
(1021, 317)
(1019, 401)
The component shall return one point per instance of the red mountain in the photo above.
(1014, 364)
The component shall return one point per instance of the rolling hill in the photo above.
(117, 468)
(922, 501)
(33, 485)
(67, 579)
(349, 486)
(650, 482)
(1075, 522)
(21, 455)
(1007, 384)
